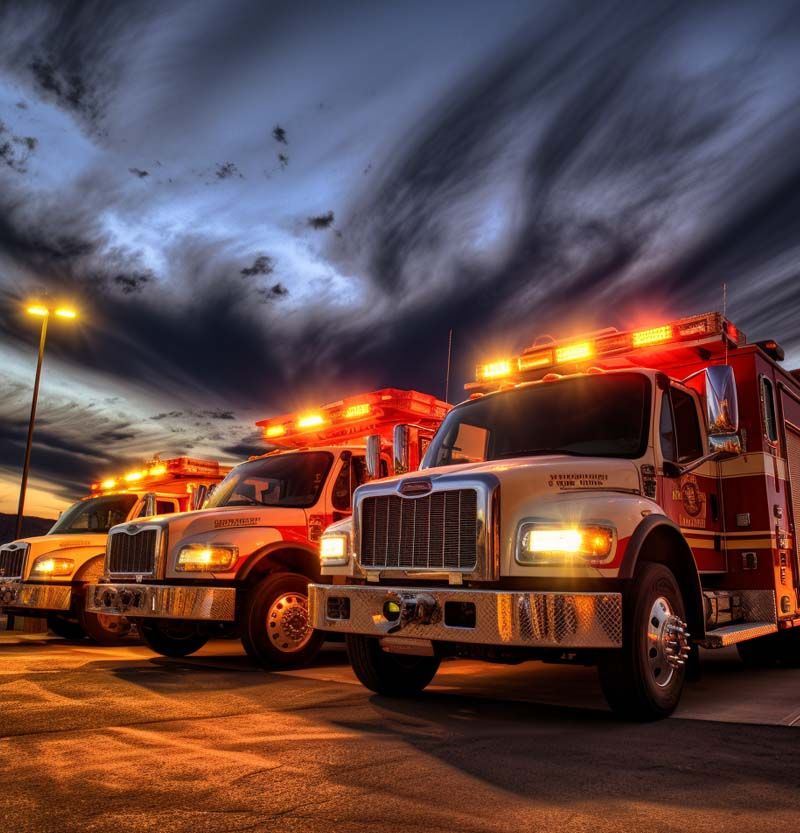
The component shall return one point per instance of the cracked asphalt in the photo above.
(98, 739)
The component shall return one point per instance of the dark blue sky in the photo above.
(262, 205)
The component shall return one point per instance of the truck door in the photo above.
(692, 501)
(790, 419)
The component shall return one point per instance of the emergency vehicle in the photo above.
(243, 564)
(616, 498)
(46, 576)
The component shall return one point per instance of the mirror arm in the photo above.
(676, 470)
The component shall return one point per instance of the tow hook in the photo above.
(410, 609)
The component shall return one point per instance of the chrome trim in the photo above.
(156, 601)
(15, 546)
(487, 486)
(133, 528)
(502, 617)
(44, 597)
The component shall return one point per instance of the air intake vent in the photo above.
(12, 561)
(132, 554)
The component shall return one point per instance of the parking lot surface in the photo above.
(98, 739)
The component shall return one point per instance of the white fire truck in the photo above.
(244, 562)
(46, 576)
(597, 499)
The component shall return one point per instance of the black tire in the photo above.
(274, 626)
(172, 639)
(393, 675)
(638, 681)
(65, 628)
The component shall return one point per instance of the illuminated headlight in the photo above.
(46, 565)
(543, 544)
(205, 558)
(334, 549)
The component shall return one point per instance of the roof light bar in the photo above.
(162, 471)
(655, 335)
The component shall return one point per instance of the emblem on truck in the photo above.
(228, 522)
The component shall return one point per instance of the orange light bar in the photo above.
(275, 431)
(133, 476)
(157, 470)
(495, 370)
(108, 484)
(42, 312)
(66, 312)
(574, 352)
(654, 335)
(357, 411)
(310, 421)
(533, 361)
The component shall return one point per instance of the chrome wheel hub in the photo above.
(667, 642)
(287, 622)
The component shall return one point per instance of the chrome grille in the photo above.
(132, 554)
(12, 561)
(436, 532)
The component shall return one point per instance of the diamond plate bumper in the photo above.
(539, 620)
(43, 597)
(9, 590)
(212, 604)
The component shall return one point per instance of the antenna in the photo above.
(449, 356)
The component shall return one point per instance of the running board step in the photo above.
(731, 634)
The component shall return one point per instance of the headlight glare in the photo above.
(47, 565)
(547, 544)
(334, 549)
(205, 558)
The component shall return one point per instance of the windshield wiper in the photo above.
(540, 452)
(246, 501)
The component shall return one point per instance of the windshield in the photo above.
(592, 416)
(98, 514)
(283, 480)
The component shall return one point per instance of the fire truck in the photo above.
(46, 576)
(243, 564)
(617, 498)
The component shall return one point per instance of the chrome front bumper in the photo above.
(56, 597)
(496, 617)
(155, 601)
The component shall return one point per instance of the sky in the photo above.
(262, 206)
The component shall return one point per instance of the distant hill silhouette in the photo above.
(30, 526)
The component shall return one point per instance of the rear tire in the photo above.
(275, 629)
(65, 628)
(643, 681)
(172, 639)
(392, 675)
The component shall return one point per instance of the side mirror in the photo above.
(149, 505)
(401, 448)
(199, 496)
(722, 410)
(373, 457)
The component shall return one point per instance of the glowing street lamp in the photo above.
(43, 312)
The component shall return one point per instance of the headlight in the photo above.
(46, 565)
(334, 549)
(206, 558)
(547, 544)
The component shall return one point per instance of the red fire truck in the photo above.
(46, 576)
(617, 498)
(244, 562)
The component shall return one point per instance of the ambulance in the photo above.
(617, 498)
(243, 564)
(46, 576)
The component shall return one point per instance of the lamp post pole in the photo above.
(26, 465)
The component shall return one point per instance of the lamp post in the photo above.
(44, 313)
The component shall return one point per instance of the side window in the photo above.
(165, 507)
(667, 431)
(687, 427)
(352, 475)
(768, 402)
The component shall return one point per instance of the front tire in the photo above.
(644, 679)
(275, 627)
(103, 629)
(172, 639)
(393, 675)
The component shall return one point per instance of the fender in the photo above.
(674, 551)
(277, 546)
(88, 571)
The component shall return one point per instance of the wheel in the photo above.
(65, 628)
(394, 675)
(644, 679)
(274, 629)
(103, 629)
(172, 639)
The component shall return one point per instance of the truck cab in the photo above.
(46, 576)
(597, 499)
(243, 563)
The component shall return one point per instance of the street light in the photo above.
(65, 313)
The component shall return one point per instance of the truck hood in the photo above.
(79, 547)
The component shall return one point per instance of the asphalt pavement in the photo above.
(102, 739)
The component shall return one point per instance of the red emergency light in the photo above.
(577, 353)
(158, 471)
(352, 419)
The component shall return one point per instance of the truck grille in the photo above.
(132, 554)
(12, 561)
(436, 532)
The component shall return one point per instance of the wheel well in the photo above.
(88, 571)
(665, 545)
(285, 559)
